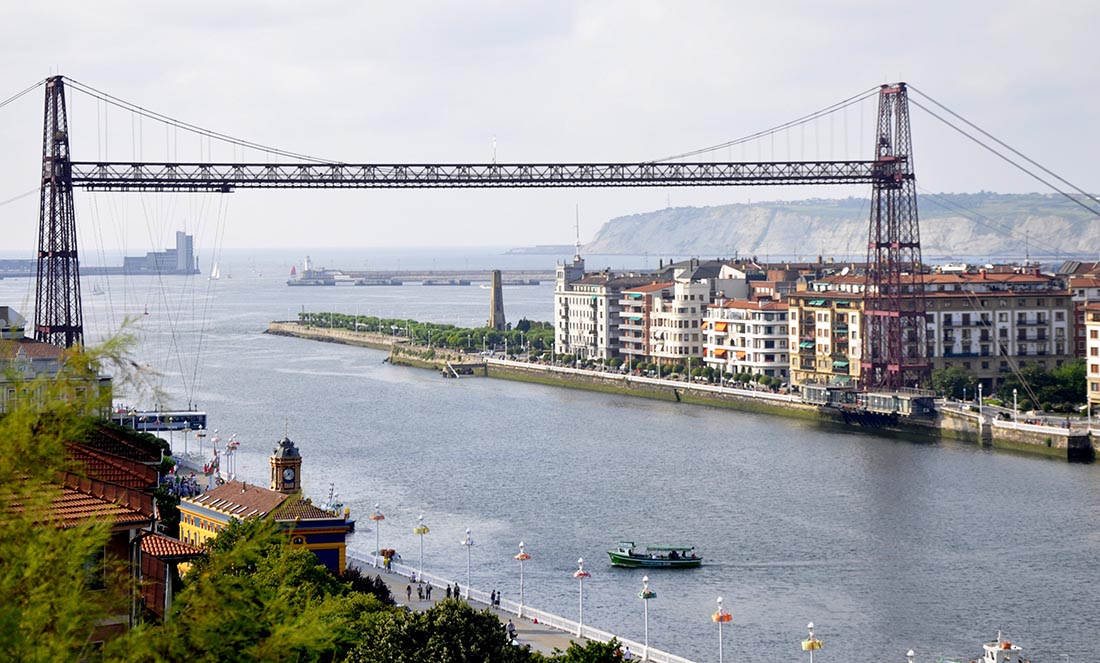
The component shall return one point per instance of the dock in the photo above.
(543, 631)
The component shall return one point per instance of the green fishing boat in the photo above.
(628, 554)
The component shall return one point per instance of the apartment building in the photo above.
(662, 322)
(586, 309)
(1092, 356)
(824, 331)
(742, 336)
(992, 323)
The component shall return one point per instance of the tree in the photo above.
(591, 652)
(952, 380)
(55, 582)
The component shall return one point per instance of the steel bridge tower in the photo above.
(58, 318)
(894, 350)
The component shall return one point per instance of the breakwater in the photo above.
(951, 422)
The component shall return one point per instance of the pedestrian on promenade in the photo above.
(493, 598)
(409, 593)
(457, 593)
(419, 593)
(497, 601)
(428, 591)
(448, 591)
(626, 654)
(511, 629)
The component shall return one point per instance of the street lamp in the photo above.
(377, 517)
(580, 574)
(980, 402)
(812, 644)
(1015, 411)
(421, 529)
(522, 557)
(469, 543)
(645, 595)
(721, 617)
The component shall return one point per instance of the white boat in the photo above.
(215, 273)
(997, 651)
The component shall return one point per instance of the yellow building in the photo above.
(320, 530)
(825, 341)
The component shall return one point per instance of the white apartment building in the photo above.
(586, 310)
(742, 336)
(662, 322)
(1092, 356)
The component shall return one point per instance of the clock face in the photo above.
(288, 474)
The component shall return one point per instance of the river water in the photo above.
(885, 544)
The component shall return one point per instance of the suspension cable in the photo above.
(1005, 158)
(153, 115)
(840, 105)
(20, 94)
(1010, 148)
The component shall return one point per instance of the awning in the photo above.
(740, 354)
(806, 344)
(719, 352)
(720, 326)
(633, 295)
(816, 302)
(840, 363)
(843, 302)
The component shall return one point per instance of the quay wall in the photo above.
(951, 422)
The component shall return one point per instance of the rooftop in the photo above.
(239, 500)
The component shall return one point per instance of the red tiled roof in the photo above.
(304, 509)
(999, 293)
(114, 469)
(74, 507)
(129, 498)
(168, 549)
(1084, 282)
(238, 500)
(127, 444)
(756, 305)
(998, 277)
(32, 348)
(652, 287)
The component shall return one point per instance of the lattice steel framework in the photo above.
(225, 177)
(894, 347)
(58, 317)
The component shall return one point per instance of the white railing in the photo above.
(548, 619)
(663, 382)
(1047, 429)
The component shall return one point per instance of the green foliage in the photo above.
(1061, 388)
(951, 381)
(361, 583)
(591, 652)
(56, 585)
(449, 632)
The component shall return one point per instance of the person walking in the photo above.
(448, 591)
(511, 629)
(493, 599)
(419, 593)
(408, 593)
(428, 591)
(626, 654)
(458, 594)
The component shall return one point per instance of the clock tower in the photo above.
(286, 466)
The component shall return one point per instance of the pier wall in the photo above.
(951, 422)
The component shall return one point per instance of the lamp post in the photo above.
(721, 617)
(469, 543)
(521, 557)
(580, 574)
(421, 530)
(1015, 410)
(377, 517)
(812, 644)
(980, 402)
(645, 595)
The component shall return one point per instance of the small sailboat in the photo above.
(215, 273)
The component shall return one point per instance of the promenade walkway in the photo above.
(543, 631)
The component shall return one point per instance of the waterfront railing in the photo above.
(627, 378)
(542, 617)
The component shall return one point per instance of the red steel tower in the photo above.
(894, 346)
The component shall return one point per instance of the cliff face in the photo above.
(982, 225)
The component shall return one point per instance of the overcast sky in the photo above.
(551, 81)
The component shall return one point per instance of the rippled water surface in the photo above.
(886, 544)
